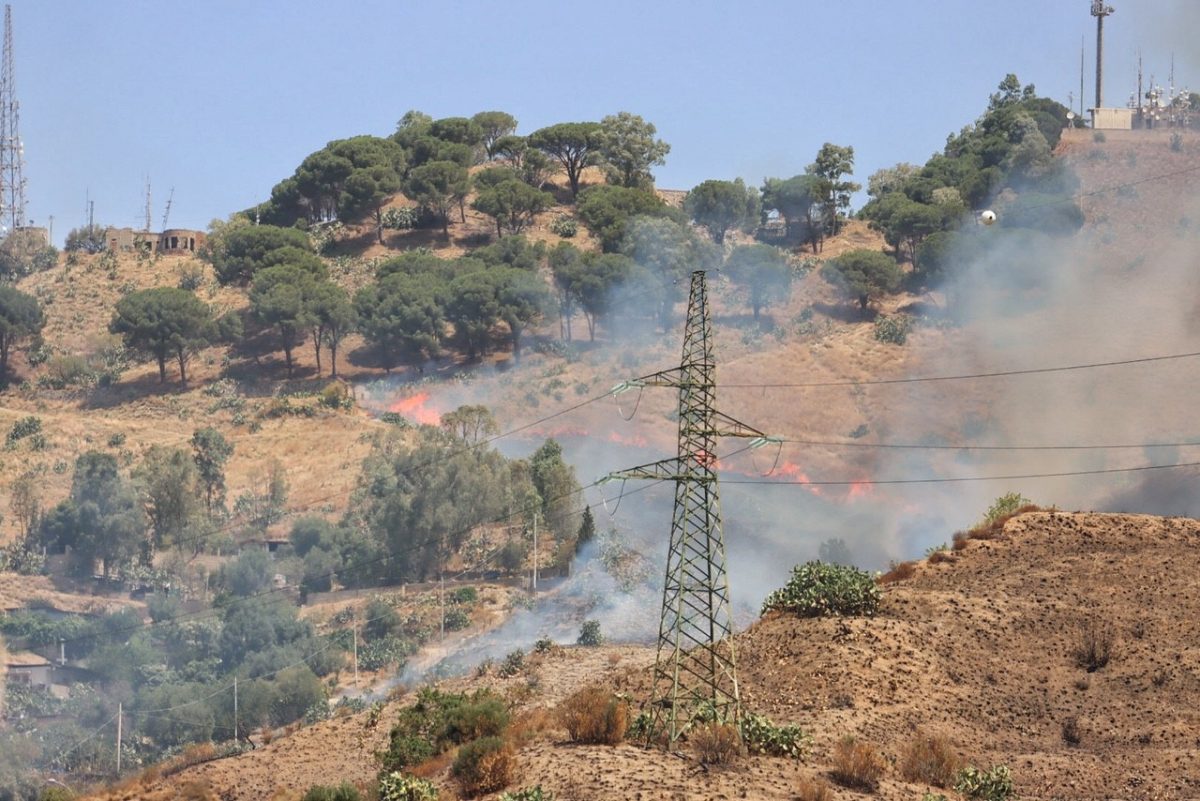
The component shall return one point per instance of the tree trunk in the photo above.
(162, 368)
(287, 358)
(4, 341)
(379, 224)
(591, 321)
(317, 347)
(181, 356)
(462, 209)
(862, 302)
(515, 330)
(333, 357)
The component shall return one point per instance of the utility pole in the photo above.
(695, 664)
(442, 601)
(535, 551)
(119, 716)
(356, 649)
(235, 710)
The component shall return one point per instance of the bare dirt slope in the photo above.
(979, 649)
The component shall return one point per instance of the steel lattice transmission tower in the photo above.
(695, 664)
(12, 151)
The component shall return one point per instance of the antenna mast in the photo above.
(12, 151)
(147, 226)
(167, 213)
(1100, 11)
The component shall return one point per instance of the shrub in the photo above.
(893, 328)
(397, 786)
(394, 419)
(191, 276)
(1099, 137)
(56, 794)
(813, 790)
(564, 226)
(762, 736)
(513, 664)
(1177, 142)
(993, 784)
(464, 595)
(817, 589)
(1006, 506)
(594, 716)
(379, 654)
(1070, 731)
(400, 218)
(543, 645)
(484, 766)
(1095, 647)
(857, 765)
(457, 619)
(589, 634)
(25, 427)
(898, 571)
(116, 440)
(715, 743)
(535, 793)
(930, 759)
(342, 792)
(485, 715)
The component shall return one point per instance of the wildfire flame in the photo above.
(415, 407)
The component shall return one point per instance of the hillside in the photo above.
(977, 648)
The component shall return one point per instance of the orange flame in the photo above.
(414, 406)
(635, 441)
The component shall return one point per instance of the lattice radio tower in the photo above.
(695, 664)
(12, 151)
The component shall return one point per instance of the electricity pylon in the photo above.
(695, 664)
(12, 151)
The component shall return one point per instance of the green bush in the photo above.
(761, 736)
(464, 595)
(457, 619)
(397, 786)
(893, 328)
(25, 427)
(342, 792)
(485, 715)
(817, 589)
(1005, 506)
(535, 793)
(589, 634)
(993, 784)
(564, 226)
(513, 664)
(400, 218)
(379, 654)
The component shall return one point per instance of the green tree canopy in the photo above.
(210, 451)
(332, 318)
(797, 199)
(523, 299)
(25, 251)
(574, 145)
(833, 164)
(101, 520)
(722, 206)
(169, 485)
(20, 319)
(437, 187)
(164, 322)
(606, 210)
(243, 249)
(862, 275)
(281, 297)
(763, 271)
(669, 252)
(628, 150)
(494, 125)
(474, 308)
(402, 316)
(513, 204)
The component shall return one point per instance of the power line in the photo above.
(962, 479)
(962, 376)
(917, 446)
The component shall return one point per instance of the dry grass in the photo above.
(715, 743)
(898, 572)
(930, 759)
(813, 790)
(991, 529)
(484, 766)
(1096, 646)
(857, 765)
(937, 557)
(434, 765)
(593, 715)
(526, 726)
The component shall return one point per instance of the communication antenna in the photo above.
(695, 666)
(167, 213)
(12, 151)
(1100, 11)
(147, 226)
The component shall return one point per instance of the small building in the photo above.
(29, 669)
(1112, 119)
(119, 239)
(180, 240)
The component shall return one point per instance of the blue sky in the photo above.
(223, 98)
